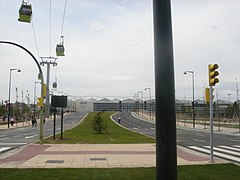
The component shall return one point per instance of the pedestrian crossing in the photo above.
(231, 153)
(2, 149)
(9, 146)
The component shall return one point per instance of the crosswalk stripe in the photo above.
(8, 144)
(4, 148)
(231, 148)
(224, 150)
(216, 153)
(237, 146)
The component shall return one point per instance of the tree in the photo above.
(99, 124)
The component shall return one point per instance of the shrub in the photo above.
(99, 124)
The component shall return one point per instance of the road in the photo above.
(226, 146)
(16, 137)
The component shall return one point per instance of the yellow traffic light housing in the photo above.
(212, 74)
(40, 102)
(207, 95)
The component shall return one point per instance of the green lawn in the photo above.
(84, 133)
(196, 172)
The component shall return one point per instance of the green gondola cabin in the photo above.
(60, 50)
(25, 12)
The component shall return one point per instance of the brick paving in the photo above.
(94, 156)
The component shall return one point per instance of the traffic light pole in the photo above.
(211, 125)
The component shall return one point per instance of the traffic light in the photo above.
(212, 74)
(207, 95)
(40, 102)
(145, 105)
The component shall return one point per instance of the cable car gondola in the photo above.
(60, 48)
(25, 12)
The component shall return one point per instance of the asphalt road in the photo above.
(13, 138)
(198, 140)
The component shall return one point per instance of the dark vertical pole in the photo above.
(54, 122)
(166, 158)
(62, 124)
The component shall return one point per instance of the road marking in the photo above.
(234, 140)
(4, 144)
(221, 155)
(4, 138)
(237, 146)
(17, 135)
(198, 140)
(231, 148)
(29, 137)
(152, 128)
(223, 150)
(202, 135)
(4, 148)
(135, 128)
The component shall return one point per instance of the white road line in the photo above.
(231, 148)
(4, 148)
(29, 137)
(236, 146)
(198, 140)
(202, 135)
(224, 150)
(234, 140)
(17, 135)
(152, 128)
(4, 138)
(7, 144)
(215, 153)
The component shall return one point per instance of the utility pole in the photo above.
(48, 61)
(166, 150)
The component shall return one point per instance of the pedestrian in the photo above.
(119, 120)
(33, 121)
(12, 122)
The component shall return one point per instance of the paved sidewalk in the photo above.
(94, 156)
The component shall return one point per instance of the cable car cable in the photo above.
(50, 23)
(64, 12)
(35, 38)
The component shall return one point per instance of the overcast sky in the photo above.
(109, 46)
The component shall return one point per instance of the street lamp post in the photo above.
(34, 100)
(142, 100)
(150, 110)
(229, 95)
(9, 91)
(193, 115)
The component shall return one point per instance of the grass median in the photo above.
(84, 134)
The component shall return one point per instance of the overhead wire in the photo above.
(50, 29)
(35, 38)
(64, 12)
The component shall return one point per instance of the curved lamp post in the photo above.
(40, 76)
